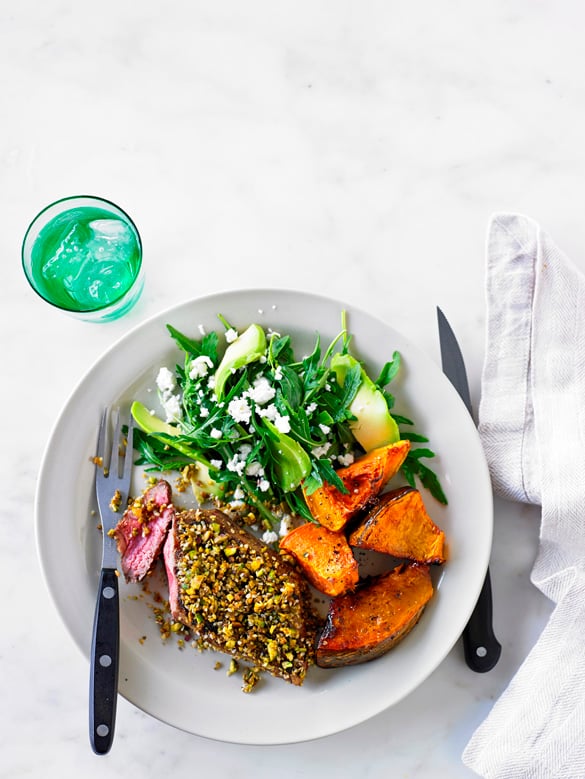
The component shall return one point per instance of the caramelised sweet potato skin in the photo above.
(364, 480)
(324, 556)
(399, 525)
(367, 623)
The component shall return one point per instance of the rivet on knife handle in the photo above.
(481, 647)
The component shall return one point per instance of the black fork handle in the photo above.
(105, 648)
(482, 649)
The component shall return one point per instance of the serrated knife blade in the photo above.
(481, 647)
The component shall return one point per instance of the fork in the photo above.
(111, 486)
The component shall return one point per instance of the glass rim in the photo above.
(96, 309)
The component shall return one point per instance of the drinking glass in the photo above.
(83, 255)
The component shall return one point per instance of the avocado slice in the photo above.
(247, 348)
(374, 426)
(291, 463)
(162, 431)
(149, 422)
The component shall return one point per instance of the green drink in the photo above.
(84, 255)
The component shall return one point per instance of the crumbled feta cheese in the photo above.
(215, 433)
(320, 451)
(286, 525)
(239, 493)
(269, 412)
(200, 366)
(165, 380)
(346, 459)
(239, 409)
(172, 407)
(269, 537)
(236, 465)
(311, 408)
(231, 335)
(264, 485)
(278, 373)
(260, 311)
(325, 429)
(216, 463)
(203, 411)
(211, 382)
(282, 423)
(262, 391)
(233, 463)
(254, 469)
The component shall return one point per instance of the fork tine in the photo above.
(119, 455)
(101, 442)
(129, 448)
(114, 465)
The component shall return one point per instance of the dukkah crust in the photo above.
(239, 596)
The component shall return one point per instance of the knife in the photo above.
(481, 648)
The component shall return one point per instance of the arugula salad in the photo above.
(249, 420)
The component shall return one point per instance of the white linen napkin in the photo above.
(532, 425)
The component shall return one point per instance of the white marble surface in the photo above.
(356, 149)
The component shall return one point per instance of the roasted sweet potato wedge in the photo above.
(365, 479)
(399, 525)
(367, 623)
(324, 556)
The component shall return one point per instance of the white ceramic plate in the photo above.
(181, 687)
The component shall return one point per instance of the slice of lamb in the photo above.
(169, 557)
(141, 532)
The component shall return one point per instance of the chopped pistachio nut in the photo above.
(116, 501)
(251, 677)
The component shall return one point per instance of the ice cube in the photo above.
(110, 239)
(64, 262)
(111, 230)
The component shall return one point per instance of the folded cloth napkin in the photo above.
(532, 425)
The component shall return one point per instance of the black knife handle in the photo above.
(482, 649)
(105, 647)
